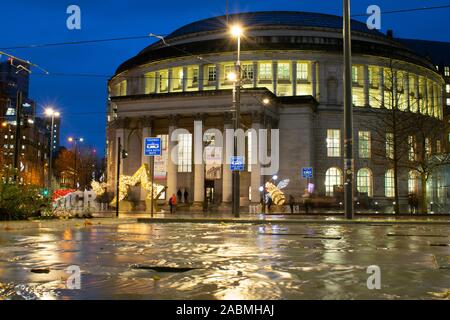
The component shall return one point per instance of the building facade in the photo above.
(291, 81)
(34, 140)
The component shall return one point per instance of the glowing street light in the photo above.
(49, 112)
(236, 30)
(75, 140)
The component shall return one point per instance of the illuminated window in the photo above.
(11, 112)
(389, 184)
(428, 149)
(448, 101)
(163, 81)
(438, 146)
(185, 152)
(413, 182)
(334, 142)
(364, 144)
(123, 88)
(302, 71)
(355, 75)
(364, 181)
(265, 71)
(333, 178)
(447, 71)
(447, 88)
(150, 82)
(194, 75)
(390, 145)
(247, 71)
(211, 73)
(412, 147)
(284, 72)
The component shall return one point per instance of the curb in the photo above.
(286, 221)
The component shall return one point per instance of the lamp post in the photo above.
(236, 31)
(348, 115)
(75, 141)
(49, 112)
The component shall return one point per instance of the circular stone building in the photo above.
(292, 80)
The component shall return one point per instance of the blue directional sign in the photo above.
(307, 173)
(152, 147)
(237, 164)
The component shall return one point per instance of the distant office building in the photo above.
(35, 132)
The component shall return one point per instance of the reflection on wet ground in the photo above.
(225, 261)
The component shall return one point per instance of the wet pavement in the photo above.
(225, 261)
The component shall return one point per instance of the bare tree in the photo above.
(403, 128)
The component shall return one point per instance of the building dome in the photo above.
(278, 30)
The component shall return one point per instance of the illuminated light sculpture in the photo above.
(99, 188)
(274, 192)
(140, 177)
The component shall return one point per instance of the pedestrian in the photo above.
(186, 194)
(179, 195)
(411, 202)
(306, 200)
(173, 203)
(269, 204)
(291, 203)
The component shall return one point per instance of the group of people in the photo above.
(174, 199)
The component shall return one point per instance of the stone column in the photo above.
(294, 77)
(314, 79)
(169, 80)
(381, 87)
(255, 74)
(184, 80)
(201, 76)
(366, 86)
(256, 178)
(274, 76)
(226, 170)
(432, 99)
(199, 167)
(147, 125)
(157, 86)
(218, 76)
(172, 169)
(417, 93)
(407, 89)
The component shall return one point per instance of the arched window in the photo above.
(333, 177)
(389, 183)
(413, 182)
(364, 181)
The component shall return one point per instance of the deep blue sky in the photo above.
(82, 100)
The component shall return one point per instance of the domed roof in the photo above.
(271, 18)
(256, 20)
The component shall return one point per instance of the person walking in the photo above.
(172, 203)
(306, 200)
(291, 203)
(179, 195)
(186, 195)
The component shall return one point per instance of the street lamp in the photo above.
(49, 112)
(75, 141)
(348, 115)
(236, 31)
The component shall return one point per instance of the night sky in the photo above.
(82, 100)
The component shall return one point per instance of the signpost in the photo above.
(237, 163)
(307, 173)
(152, 148)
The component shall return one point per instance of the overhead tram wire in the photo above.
(446, 6)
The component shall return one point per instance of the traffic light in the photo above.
(124, 154)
